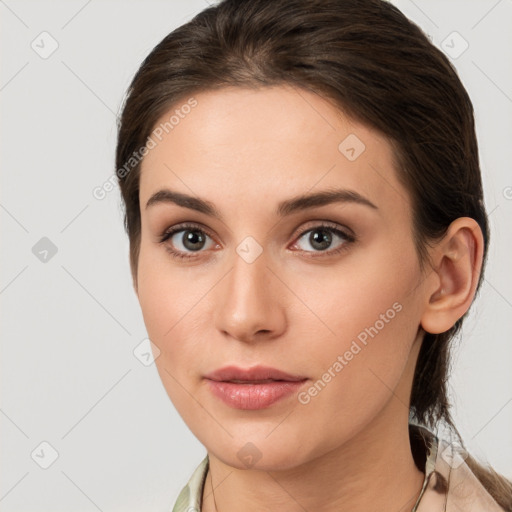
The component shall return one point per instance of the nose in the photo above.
(249, 301)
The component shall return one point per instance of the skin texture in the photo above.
(295, 307)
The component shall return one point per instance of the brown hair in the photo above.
(379, 68)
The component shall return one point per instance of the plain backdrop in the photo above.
(77, 397)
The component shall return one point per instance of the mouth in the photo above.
(254, 388)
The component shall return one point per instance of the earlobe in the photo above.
(457, 263)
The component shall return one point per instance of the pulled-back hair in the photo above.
(376, 66)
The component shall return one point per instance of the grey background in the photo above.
(71, 321)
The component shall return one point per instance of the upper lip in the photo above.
(256, 373)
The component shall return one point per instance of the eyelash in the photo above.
(348, 239)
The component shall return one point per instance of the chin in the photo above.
(261, 454)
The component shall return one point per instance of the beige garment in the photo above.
(450, 485)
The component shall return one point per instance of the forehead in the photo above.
(272, 143)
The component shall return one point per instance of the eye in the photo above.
(322, 237)
(185, 239)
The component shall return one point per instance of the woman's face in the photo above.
(327, 291)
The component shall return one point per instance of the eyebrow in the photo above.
(287, 207)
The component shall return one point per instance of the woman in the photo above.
(307, 232)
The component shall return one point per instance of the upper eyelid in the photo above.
(183, 227)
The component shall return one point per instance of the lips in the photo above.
(254, 375)
(253, 388)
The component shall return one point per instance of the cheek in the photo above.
(371, 292)
(165, 299)
(165, 295)
(368, 324)
(176, 307)
(167, 302)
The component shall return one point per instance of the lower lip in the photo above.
(253, 396)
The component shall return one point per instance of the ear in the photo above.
(457, 263)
